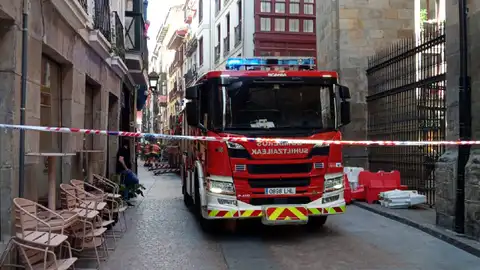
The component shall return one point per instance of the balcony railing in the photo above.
(191, 46)
(238, 34)
(191, 75)
(84, 4)
(226, 45)
(217, 53)
(101, 18)
(118, 46)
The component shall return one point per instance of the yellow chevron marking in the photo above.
(297, 213)
(247, 213)
(276, 213)
(213, 213)
(315, 211)
(229, 214)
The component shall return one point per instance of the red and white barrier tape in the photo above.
(233, 139)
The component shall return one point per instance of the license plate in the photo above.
(280, 191)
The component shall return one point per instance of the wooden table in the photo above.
(89, 162)
(52, 177)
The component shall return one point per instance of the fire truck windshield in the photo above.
(278, 106)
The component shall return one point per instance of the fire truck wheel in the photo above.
(187, 199)
(316, 222)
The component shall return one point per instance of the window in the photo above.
(200, 10)
(308, 26)
(265, 6)
(218, 6)
(265, 24)
(294, 6)
(239, 10)
(280, 6)
(228, 23)
(280, 25)
(294, 25)
(219, 32)
(200, 51)
(308, 7)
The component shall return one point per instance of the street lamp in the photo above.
(153, 79)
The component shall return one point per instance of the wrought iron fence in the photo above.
(406, 101)
(84, 4)
(101, 20)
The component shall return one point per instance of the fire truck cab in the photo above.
(279, 183)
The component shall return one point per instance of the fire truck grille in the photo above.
(279, 168)
(271, 201)
(279, 182)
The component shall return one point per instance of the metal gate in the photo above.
(406, 102)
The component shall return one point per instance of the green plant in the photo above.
(423, 16)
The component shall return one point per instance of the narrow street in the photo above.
(163, 234)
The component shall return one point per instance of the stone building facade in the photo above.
(73, 80)
(348, 33)
(446, 167)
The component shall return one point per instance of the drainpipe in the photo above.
(23, 97)
(465, 119)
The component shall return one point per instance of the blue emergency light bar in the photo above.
(237, 63)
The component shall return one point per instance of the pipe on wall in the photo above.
(23, 97)
(465, 119)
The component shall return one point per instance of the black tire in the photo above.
(316, 222)
(207, 225)
(187, 199)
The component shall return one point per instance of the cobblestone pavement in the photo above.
(164, 235)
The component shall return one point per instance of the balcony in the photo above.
(118, 47)
(172, 94)
(177, 62)
(238, 34)
(226, 46)
(191, 76)
(217, 53)
(177, 39)
(162, 101)
(191, 47)
(136, 44)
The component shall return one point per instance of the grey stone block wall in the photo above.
(55, 38)
(446, 167)
(349, 32)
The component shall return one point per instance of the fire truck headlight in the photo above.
(232, 145)
(333, 182)
(221, 187)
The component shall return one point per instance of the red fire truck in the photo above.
(280, 183)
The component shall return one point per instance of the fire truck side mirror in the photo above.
(191, 93)
(192, 113)
(343, 92)
(344, 113)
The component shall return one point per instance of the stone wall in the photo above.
(49, 35)
(472, 170)
(446, 167)
(350, 31)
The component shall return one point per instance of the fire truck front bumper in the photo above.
(228, 207)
